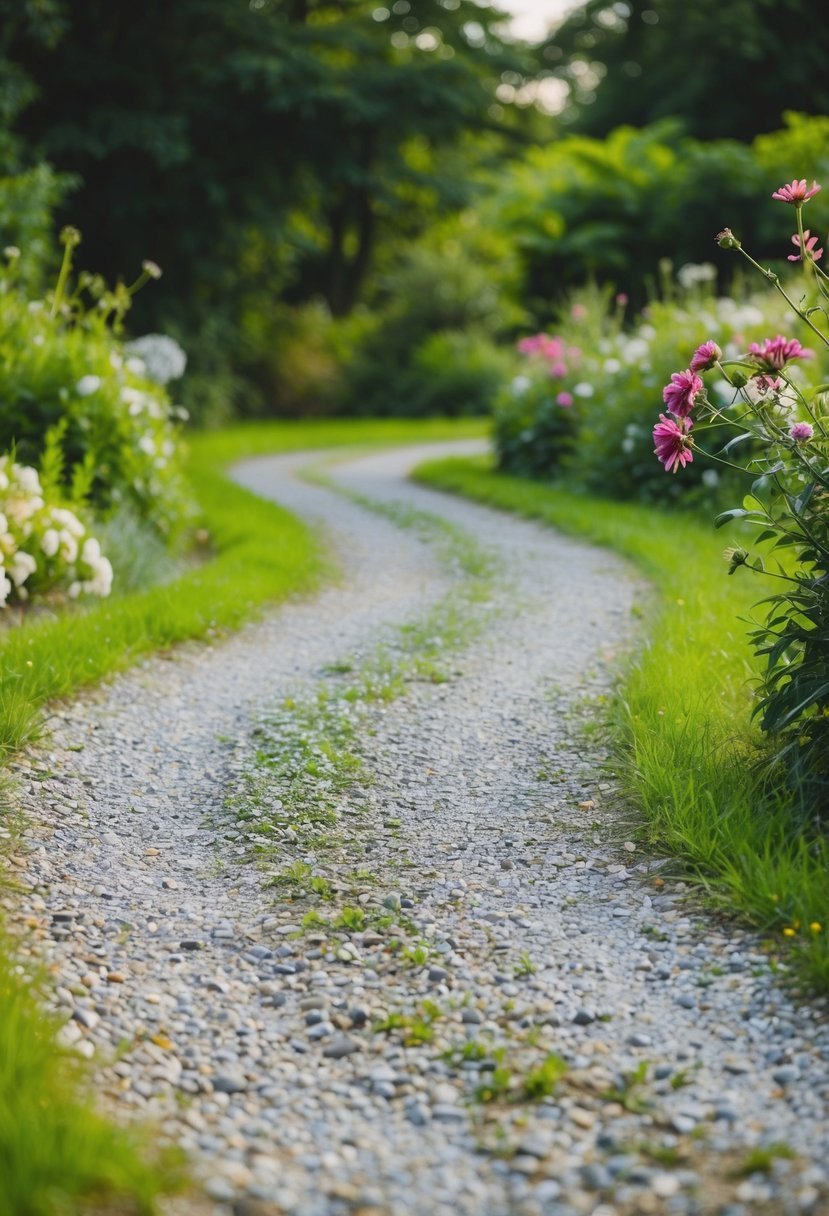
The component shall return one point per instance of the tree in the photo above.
(727, 70)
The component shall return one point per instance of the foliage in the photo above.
(262, 149)
(59, 1157)
(622, 64)
(686, 744)
(27, 204)
(787, 425)
(430, 336)
(603, 442)
(65, 380)
(44, 548)
(535, 421)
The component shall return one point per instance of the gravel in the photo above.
(516, 946)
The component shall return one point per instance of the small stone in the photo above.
(341, 1046)
(436, 974)
(584, 1017)
(471, 1017)
(686, 1000)
(786, 1075)
(640, 1040)
(229, 1083)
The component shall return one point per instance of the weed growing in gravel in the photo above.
(761, 1159)
(630, 1090)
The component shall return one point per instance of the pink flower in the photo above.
(673, 442)
(558, 369)
(802, 432)
(774, 353)
(681, 393)
(542, 344)
(768, 384)
(796, 193)
(578, 312)
(564, 399)
(705, 356)
(622, 299)
(810, 241)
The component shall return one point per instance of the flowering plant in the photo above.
(62, 363)
(784, 422)
(44, 548)
(535, 416)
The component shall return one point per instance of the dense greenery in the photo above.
(728, 70)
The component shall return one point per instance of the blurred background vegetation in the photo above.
(359, 205)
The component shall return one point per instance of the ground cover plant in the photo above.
(687, 746)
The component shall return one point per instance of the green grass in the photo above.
(57, 1156)
(684, 718)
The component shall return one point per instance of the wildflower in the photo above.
(816, 926)
(558, 370)
(50, 542)
(774, 353)
(87, 385)
(519, 386)
(727, 240)
(622, 299)
(796, 192)
(801, 432)
(578, 312)
(583, 389)
(11, 252)
(673, 442)
(705, 356)
(694, 274)
(163, 358)
(809, 242)
(789, 931)
(152, 269)
(23, 564)
(564, 399)
(681, 394)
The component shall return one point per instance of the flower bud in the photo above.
(727, 240)
(152, 269)
(70, 236)
(739, 380)
(735, 558)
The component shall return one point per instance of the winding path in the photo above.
(403, 1059)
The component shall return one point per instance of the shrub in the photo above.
(535, 415)
(64, 373)
(44, 547)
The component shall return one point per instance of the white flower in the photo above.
(4, 523)
(628, 444)
(68, 547)
(136, 366)
(74, 590)
(647, 332)
(115, 360)
(5, 587)
(87, 385)
(693, 274)
(161, 356)
(134, 399)
(50, 542)
(68, 521)
(583, 389)
(520, 385)
(612, 366)
(27, 478)
(147, 445)
(710, 478)
(91, 553)
(22, 566)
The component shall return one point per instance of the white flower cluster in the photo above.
(162, 358)
(44, 548)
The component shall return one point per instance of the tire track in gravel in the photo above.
(340, 1067)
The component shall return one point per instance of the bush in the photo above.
(417, 333)
(606, 446)
(536, 414)
(66, 378)
(44, 548)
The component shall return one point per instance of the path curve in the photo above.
(294, 1065)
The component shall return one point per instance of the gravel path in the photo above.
(470, 994)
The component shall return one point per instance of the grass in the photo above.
(684, 712)
(58, 1157)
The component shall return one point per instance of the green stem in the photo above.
(774, 279)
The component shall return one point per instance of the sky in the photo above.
(532, 18)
